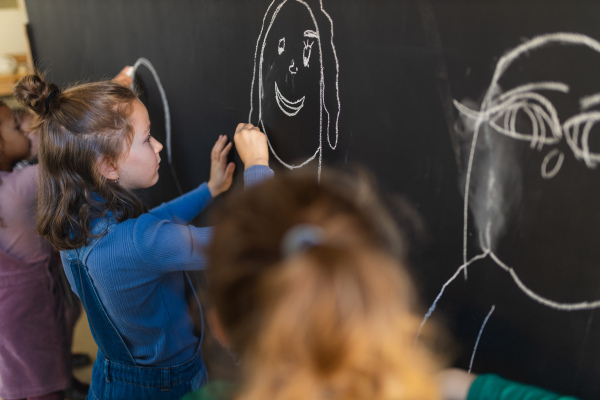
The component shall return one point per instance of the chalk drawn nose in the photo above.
(293, 69)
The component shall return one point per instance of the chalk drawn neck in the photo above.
(288, 107)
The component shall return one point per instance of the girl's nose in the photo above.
(293, 69)
(157, 146)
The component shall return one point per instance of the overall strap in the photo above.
(189, 288)
(105, 333)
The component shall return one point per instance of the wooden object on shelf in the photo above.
(8, 82)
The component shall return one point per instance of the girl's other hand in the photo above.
(221, 173)
(251, 145)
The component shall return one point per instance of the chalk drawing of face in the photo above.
(290, 101)
(555, 114)
(547, 125)
(531, 102)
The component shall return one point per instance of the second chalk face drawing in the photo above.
(294, 95)
(535, 118)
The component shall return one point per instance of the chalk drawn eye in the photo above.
(578, 131)
(526, 116)
(281, 46)
(306, 52)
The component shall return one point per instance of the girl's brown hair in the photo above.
(79, 127)
(333, 321)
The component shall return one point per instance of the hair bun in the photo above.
(37, 94)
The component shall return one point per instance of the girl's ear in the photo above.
(108, 169)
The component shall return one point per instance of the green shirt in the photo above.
(215, 390)
(493, 387)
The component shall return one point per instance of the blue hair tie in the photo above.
(300, 238)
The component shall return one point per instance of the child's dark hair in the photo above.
(331, 320)
(78, 127)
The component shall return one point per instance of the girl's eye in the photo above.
(148, 138)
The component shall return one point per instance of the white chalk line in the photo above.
(448, 282)
(589, 101)
(259, 57)
(554, 171)
(289, 166)
(540, 113)
(479, 337)
(571, 128)
(578, 306)
(143, 61)
(284, 104)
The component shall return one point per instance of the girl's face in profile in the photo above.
(15, 145)
(138, 166)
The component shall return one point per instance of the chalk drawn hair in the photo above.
(329, 88)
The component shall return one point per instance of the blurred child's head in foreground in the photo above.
(310, 289)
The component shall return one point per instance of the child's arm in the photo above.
(494, 387)
(166, 246)
(252, 147)
(184, 208)
(457, 384)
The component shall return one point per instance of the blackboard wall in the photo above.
(400, 65)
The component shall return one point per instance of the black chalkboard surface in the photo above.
(500, 97)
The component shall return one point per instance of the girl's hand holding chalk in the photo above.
(221, 173)
(251, 145)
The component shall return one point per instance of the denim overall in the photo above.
(115, 374)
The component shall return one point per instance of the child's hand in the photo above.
(455, 383)
(124, 77)
(251, 145)
(221, 173)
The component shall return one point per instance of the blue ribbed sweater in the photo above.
(137, 270)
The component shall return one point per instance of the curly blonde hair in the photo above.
(333, 321)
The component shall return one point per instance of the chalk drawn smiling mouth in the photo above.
(288, 107)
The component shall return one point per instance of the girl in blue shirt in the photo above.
(127, 264)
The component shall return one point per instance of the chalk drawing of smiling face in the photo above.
(294, 56)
